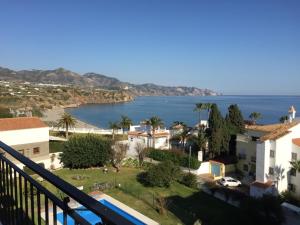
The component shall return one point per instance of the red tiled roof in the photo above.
(273, 131)
(262, 185)
(21, 123)
(296, 141)
(144, 134)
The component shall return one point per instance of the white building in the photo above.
(265, 153)
(142, 134)
(29, 136)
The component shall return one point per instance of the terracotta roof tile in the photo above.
(144, 134)
(296, 141)
(272, 131)
(20, 123)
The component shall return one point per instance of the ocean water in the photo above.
(180, 108)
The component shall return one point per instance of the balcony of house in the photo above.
(24, 200)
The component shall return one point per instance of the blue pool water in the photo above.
(93, 219)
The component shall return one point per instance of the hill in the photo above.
(62, 76)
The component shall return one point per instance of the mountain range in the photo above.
(66, 77)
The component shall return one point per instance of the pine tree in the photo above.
(215, 123)
(235, 120)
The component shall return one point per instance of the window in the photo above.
(293, 172)
(36, 150)
(272, 153)
(245, 168)
(292, 187)
(253, 158)
(271, 171)
(294, 156)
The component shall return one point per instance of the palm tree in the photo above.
(114, 126)
(200, 107)
(254, 116)
(125, 123)
(283, 119)
(178, 124)
(185, 134)
(155, 122)
(296, 165)
(67, 121)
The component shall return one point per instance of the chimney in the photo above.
(292, 113)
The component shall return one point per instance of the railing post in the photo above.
(65, 213)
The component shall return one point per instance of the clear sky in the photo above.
(234, 47)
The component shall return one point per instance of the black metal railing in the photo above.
(23, 200)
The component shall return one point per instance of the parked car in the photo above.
(229, 182)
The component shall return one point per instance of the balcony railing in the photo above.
(23, 200)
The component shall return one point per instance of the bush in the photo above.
(160, 175)
(84, 151)
(189, 180)
(177, 157)
(5, 113)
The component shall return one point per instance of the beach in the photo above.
(51, 117)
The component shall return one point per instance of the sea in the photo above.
(181, 108)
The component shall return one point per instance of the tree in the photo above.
(155, 122)
(162, 174)
(67, 121)
(295, 165)
(141, 152)
(283, 119)
(114, 126)
(254, 116)
(215, 123)
(84, 151)
(201, 140)
(125, 123)
(200, 107)
(118, 154)
(235, 120)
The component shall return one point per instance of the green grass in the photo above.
(185, 205)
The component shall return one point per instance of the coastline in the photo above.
(51, 116)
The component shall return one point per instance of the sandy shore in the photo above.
(53, 115)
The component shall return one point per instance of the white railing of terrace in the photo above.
(87, 130)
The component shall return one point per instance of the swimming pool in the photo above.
(93, 219)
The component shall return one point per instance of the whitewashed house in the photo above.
(30, 137)
(142, 134)
(265, 153)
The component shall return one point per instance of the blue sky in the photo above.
(234, 47)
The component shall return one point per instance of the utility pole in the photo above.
(190, 152)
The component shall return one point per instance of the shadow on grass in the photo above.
(205, 208)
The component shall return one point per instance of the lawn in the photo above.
(185, 205)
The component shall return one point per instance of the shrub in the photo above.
(83, 151)
(160, 175)
(177, 157)
(190, 180)
(5, 113)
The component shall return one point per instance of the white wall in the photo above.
(25, 136)
(262, 161)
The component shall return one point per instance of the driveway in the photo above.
(291, 217)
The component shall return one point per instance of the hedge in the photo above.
(178, 158)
